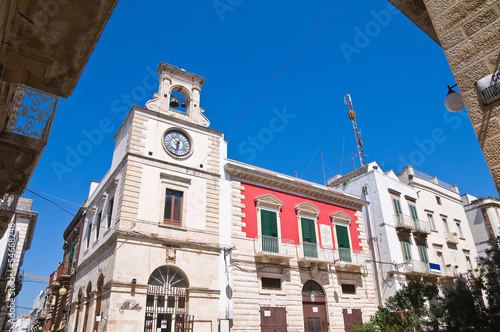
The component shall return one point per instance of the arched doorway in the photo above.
(314, 307)
(167, 301)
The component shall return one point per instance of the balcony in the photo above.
(404, 222)
(451, 237)
(8, 204)
(414, 267)
(312, 252)
(422, 228)
(62, 273)
(349, 258)
(23, 137)
(269, 248)
(450, 271)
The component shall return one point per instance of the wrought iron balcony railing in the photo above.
(270, 245)
(350, 257)
(9, 203)
(314, 252)
(31, 112)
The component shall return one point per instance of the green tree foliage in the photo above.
(470, 304)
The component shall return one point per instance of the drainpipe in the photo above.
(371, 249)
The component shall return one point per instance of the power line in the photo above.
(56, 197)
(48, 200)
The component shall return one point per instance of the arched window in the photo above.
(167, 301)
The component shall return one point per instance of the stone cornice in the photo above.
(165, 67)
(300, 187)
(211, 247)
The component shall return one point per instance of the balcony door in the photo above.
(309, 238)
(343, 243)
(422, 251)
(270, 241)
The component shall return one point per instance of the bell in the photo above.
(174, 102)
(183, 104)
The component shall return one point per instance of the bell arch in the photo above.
(167, 301)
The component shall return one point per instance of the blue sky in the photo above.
(395, 74)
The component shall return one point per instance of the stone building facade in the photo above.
(416, 227)
(302, 254)
(469, 33)
(161, 230)
(150, 254)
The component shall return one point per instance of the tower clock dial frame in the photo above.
(177, 143)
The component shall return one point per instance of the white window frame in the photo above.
(342, 219)
(174, 183)
(270, 203)
(430, 219)
(308, 211)
(460, 232)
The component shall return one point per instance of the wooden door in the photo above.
(350, 318)
(315, 317)
(273, 319)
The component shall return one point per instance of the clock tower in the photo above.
(161, 201)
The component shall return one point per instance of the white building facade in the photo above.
(450, 242)
(406, 230)
(484, 219)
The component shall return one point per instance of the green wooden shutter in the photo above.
(397, 206)
(343, 243)
(308, 232)
(413, 211)
(309, 238)
(70, 259)
(405, 245)
(269, 231)
(422, 251)
(269, 223)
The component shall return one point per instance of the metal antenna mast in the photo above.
(352, 117)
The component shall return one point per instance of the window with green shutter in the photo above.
(422, 251)
(269, 231)
(343, 243)
(309, 238)
(397, 210)
(413, 212)
(405, 246)
(70, 258)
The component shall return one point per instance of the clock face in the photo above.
(177, 143)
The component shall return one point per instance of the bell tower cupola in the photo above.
(179, 95)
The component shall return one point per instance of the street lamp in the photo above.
(62, 291)
(453, 101)
(341, 262)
